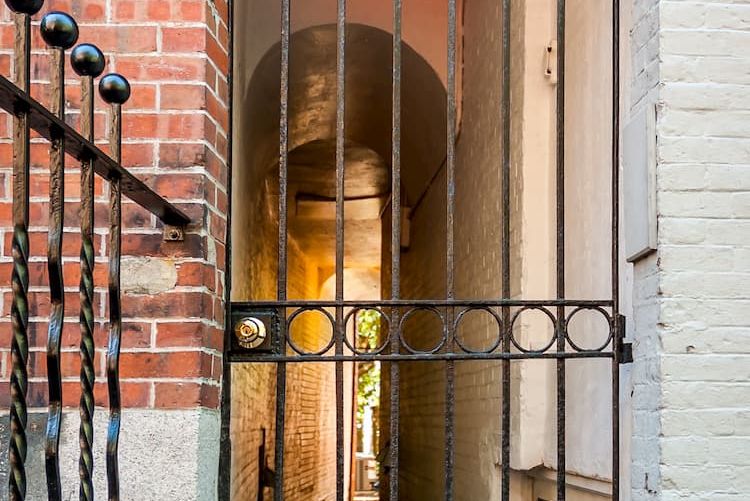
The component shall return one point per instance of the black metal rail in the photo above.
(60, 32)
(278, 320)
(14, 100)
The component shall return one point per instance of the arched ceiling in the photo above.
(368, 124)
(424, 27)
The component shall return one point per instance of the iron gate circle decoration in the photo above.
(444, 330)
(457, 322)
(551, 318)
(610, 329)
(301, 311)
(387, 328)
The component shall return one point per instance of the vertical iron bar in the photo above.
(450, 367)
(393, 335)
(20, 275)
(115, 315)
(86, 406)
(282, 266)
(561, 465)
(451, 148)
(340, 166)
(505, 111)
(55, 270)
(225, 440)
(615, 249)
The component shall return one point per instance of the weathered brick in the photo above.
(185, 364)
(181, 39)
(93, 10)
(158, 10)
(186, 395)
(172, 304)
(182, 333)
(182, 97)
(154, 68)
(182, 154)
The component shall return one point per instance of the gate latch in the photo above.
(252, 330)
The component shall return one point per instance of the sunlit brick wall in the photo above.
(175, 138)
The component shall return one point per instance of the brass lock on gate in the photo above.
(250, 332)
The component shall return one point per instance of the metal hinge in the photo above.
(550, 67)
(624, 349)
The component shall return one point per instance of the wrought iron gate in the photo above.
(259, 331)
(60, 32)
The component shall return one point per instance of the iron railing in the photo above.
(260, 331)
(60, 32)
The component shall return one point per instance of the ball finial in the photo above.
(29, 7)
(87, 60)
(114, 88)
(59, 30)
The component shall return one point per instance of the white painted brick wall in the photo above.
(646, 399)
(691, 378)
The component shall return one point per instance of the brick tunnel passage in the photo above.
(310, 405)
(310, 412)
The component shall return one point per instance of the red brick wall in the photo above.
(175, 54)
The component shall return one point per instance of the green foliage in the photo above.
(368, 329)
(369, 389)
(368, 384)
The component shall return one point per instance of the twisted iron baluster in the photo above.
(115, 334)
(60, 32)
(86, 433)
(115, 90)
(57, 297)
(20, 276)
(88, 62)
